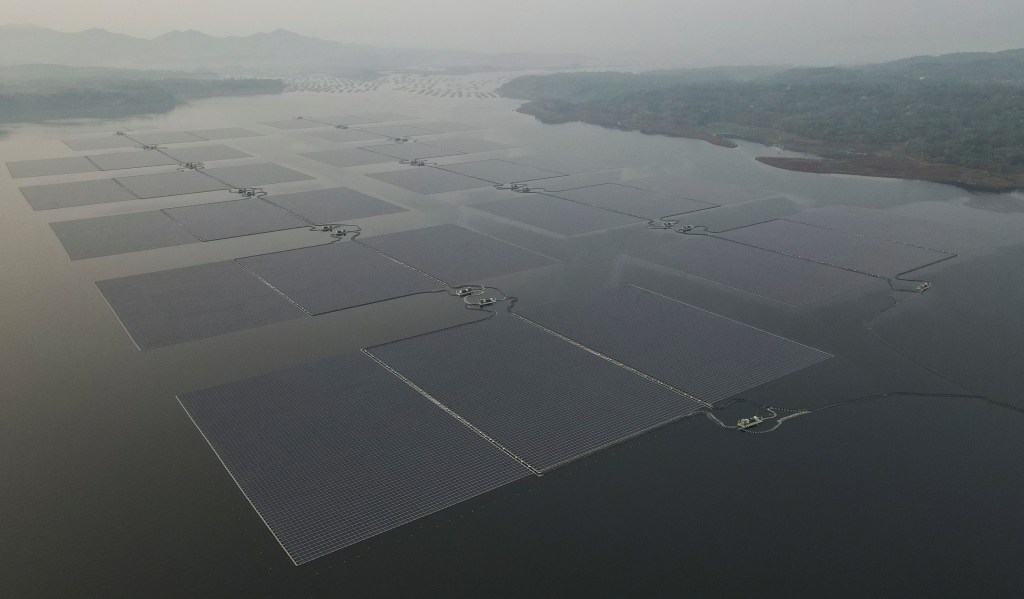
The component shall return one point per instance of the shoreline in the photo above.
(857, 161)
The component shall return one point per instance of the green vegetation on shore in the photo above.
(44, 92)
(965, 111)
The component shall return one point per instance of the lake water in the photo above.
(108, 489)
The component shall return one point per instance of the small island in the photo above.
(956, 119)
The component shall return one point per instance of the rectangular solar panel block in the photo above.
(1000, 222)
(639, 202)
(50, 166)
(290, 124)
(119, 234)
(759, 272)
(249, 175)
(429, 180)
(702, 190)
(469, 145)
(100, 142)
(456, 255)
(704, 354)
(864, 254)
(543, 399)
(222, 220)
(335, 452)
(411, 150)
(398, 130)
(556, 215)
(224, 133)
(195, 302)
(337, 276)
(78, 193)
(448, 126)
(381, 117)
(556, 184)
(500, 171)
(136, 159)
(345, 135)
(169, 184)
(164, 137)
(885, 224)
(346, 157)
(337, 204)
(205, 153)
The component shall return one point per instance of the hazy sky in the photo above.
(686, 32)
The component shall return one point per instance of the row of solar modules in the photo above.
(335, 452)
(122, 160)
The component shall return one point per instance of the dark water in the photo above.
(107, 489)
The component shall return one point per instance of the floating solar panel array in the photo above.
(556, 215)
(702, 190)
(885, 224)
(119, 189)
(338, 451)
(542, 399)
(121, 160)
(133, 139)
(869, 255)
(500, 171)
(752, 270)
(455, 254)
(706, 355)
(118, 234)
(638, 202)
(428, 180)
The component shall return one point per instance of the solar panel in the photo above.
(381, 117)
(759, 272)
(896, 227)
(545, 400)
(337, 276)
(429, 180)
(164, 137)
(345, 135)
(136, 159)
(411, 150)
(456, 255)
(99, 142)
(865, 254)
(170, 184)
(702, 190)
(186, 304)
(640, 202)
(555, 215)
(79, 193)
(334, 205)
(447, 126)
(345, 157)
(290, 124)
(221, 220)
(469, 145)
(555, 184)
(702, 353)
(50, 166)
(224, 133)
(119, 234)
(398, 130)
(205, 153)
(338, 451)
(249, 175)
(1002, 222)
(500, 171)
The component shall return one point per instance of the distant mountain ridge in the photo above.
(278, 52)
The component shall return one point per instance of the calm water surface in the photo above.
(108, 489)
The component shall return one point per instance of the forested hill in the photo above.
(965, 110)
(43, 92)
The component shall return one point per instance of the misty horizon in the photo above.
(651, 33)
